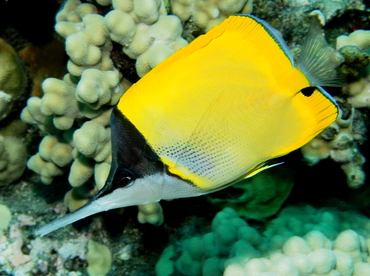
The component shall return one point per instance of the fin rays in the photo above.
(318, 61)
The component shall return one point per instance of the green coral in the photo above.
(12, 78)
(302, 240)
(260, 196)
(355, 64)
(99, 259)
(5, 217)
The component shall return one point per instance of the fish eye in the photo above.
(123, 178)
(123, 182)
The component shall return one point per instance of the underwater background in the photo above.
(64, 66)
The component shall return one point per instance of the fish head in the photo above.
(137, 176)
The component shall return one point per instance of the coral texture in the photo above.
(16, 260)
(300, 241)
(5, 217)
(13, 156)
(99, 259)
(340, 142)
(207, 14)
(260, 196)
(74, 112)
(12, 78)
(145, 31)
(13, 152)
(290, 16)
(354, 47)
(359, 38)
(151, 213)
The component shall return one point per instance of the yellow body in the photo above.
(221, 107)
(214, 112)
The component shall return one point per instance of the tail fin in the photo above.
(318, 61)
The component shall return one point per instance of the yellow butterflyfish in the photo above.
(215, 112)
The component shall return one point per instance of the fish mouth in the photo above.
(142, 191)
(90, 208)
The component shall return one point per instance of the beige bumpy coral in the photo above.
(74, 112)
(209, 13)
(99, 259)
(151, 213)
(359, 91)
(145, 31)
(54, 154)
(339, 142)
(93, 85)
(300, 241)
(13, 153)
(13, 156)
(359, 38)
(12, 78)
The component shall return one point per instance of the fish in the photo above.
(217, 111)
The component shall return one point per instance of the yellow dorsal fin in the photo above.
(250, 32)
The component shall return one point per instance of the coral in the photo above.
(300, 241)
(43, 162)
(65, 106)
(6, 103)
(207, 14)
(43, 62)
(74, 112)
(76, 198)
(151, 213)
(15, 261)
(12, 78)
(99, 259)
(13, 156)
(290, 16)
(354, 48)
(359, 92)
(340, 142)
(145, 31)
(125, 253)
(354, 68)
(5, 217)
(328, 9)
(359, 38)
(22, 254)
(258, 197)
(13, 151)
